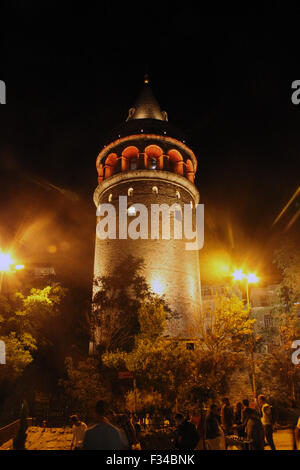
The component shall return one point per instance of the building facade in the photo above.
(148, 161)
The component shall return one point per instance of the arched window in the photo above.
(129, 158)
(154, 157)
(133, 163)
(190, 174)
(130, 192)
(176, 161)
(110, 164)
(152, 164)
(110, 198)
(100, 171)
(178, 194)
(155, 190)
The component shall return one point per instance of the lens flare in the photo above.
(5, 261)
(238, 275)
(252, 278)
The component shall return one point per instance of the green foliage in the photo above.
(278, 376)
(230, 329)
(167, 367)
(27, 323)
(84, 383)
(152, 316)
(18, 354)
(117, 302)
(143, 401)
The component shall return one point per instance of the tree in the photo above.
(278, 375)
(29, 326)
(167, 367)
(230, 329)
(84, 383)
(19, 352)
(116, 303)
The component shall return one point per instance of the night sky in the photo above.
(73, 72)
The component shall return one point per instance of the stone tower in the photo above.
(148, 161)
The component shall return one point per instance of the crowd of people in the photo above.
(252, 424)
(110, 431)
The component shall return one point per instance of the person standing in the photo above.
(254, 430)
(79, 429)
(297, 436)
(103, 435)
(238, 413)
(214, 438)
(245, 406)
(186, 434)
(124, 424)
(266, 419)
(227, 418)
(240, 428)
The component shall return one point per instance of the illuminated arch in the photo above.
(190, 174)
(100, 171)
(154, 152)
(129, 153)
(176, 160)
(110, 165)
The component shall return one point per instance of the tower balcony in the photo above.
(146, 152)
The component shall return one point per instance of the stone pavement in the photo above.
(60, 439)
(45, 439)
(283, 440)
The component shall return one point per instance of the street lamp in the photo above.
(250, 278)
(7, 265)
(5, 262)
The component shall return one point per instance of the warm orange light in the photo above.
(219, 267)
(157, 286)
(5, 261)
(238, 275)
(252, 278)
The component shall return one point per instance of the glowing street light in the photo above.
(5, 262)
(157, 286)
(238, 275)
(252, 278)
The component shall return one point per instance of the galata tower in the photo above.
(149, 162)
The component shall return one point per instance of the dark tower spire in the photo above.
(146, 106)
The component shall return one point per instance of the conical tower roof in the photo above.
(146, 106)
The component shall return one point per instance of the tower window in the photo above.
(152, 164)
(178, 194)
(155, 190)
(133, 164)
(130, 192)
(110, 198)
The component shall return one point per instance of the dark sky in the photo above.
(73, 71)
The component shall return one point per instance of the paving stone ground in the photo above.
(45, 439)
(60, 439)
